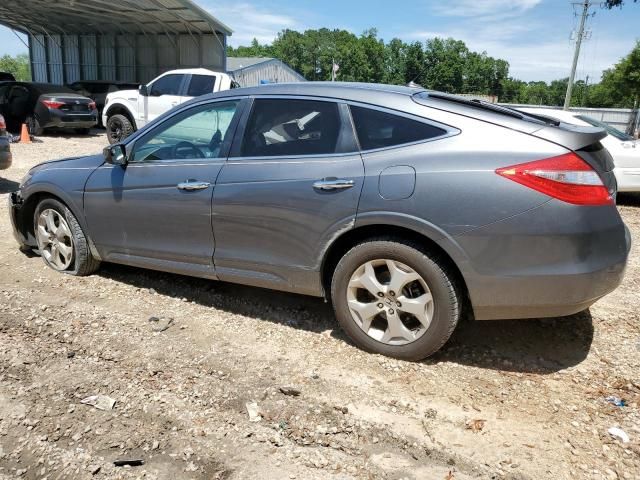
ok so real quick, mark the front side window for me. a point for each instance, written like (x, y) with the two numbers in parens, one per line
(167, 85)
(378, 129)
(201, 85)
(201, 132)
(279, 127)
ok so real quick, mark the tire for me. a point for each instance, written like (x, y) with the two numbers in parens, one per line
(118, 128)
(34, 126)
(81, 262)
(441, 315)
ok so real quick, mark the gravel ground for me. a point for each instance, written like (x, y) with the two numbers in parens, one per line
(507, 399)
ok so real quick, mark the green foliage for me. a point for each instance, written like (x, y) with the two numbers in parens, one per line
(615, 3)
(19, 66)
(443, 64)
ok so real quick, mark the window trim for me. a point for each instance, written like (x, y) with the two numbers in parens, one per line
(240, 110)
(346, 128)
(449, 130)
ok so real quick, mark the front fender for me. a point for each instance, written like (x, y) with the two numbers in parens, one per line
(119, 104)
(60, 183)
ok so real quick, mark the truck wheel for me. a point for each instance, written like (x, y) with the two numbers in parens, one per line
(119, 127)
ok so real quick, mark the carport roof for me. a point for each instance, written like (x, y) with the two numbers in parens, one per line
(109, 17)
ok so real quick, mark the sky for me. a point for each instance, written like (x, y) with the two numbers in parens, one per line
(534, 36)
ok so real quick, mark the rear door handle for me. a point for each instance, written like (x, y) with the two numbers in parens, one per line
(192, 186)
(328, 184)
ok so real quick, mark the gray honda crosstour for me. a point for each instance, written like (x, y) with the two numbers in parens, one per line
(407, 208)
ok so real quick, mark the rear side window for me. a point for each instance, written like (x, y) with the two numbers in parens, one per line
(378, 129)
(280, 127)
(167, 85)
(201, 85)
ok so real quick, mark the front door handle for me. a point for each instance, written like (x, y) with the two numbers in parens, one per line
(192, 186)
(329, 184)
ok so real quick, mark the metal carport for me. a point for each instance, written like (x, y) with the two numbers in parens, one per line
(120, 40)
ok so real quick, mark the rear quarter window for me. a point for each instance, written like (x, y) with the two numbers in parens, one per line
(201, 85)
(377, 129)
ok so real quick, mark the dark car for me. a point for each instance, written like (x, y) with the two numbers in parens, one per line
(5, 150)
(403, 206)
(43, 106)
(97, 90)
(7, 77)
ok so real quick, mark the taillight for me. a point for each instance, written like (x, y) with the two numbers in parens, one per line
(566, 177)
(3, 125)
(52, 103)
(92, 105)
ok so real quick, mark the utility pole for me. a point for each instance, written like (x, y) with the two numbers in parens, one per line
(586, 5)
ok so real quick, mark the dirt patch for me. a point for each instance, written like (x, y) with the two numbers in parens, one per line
(507, 399)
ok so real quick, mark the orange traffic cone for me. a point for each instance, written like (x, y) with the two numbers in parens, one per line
(24, 135)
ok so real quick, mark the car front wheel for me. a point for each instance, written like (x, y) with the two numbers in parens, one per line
(394, 299)
(61, 241)
(118, 127)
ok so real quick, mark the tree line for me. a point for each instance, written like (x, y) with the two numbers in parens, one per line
(440, 64)
(443, 64)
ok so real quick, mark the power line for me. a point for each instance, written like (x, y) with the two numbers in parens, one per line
(586, 5)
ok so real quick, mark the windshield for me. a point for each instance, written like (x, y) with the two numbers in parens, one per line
(610, 130)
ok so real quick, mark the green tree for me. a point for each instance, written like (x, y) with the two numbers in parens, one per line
(19, 66)
(513, 91)
(615, 3)
(395, 62)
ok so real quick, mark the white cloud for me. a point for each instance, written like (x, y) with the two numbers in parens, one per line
(248, 22)
(475, 8)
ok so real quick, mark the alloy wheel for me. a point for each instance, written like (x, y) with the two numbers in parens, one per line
(390, 301)
(55, 240)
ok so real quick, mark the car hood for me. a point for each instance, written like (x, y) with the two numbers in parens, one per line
(88, 162)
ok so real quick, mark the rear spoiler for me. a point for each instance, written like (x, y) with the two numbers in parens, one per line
(573, 137)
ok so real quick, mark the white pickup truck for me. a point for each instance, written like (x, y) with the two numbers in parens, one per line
(126, 111)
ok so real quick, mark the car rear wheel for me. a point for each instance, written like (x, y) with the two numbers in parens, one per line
(61, 241)
(34, 126)
(394, 299)
(119, 127)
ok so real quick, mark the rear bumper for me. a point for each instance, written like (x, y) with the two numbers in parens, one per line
(555, 260)
(61, 119)
(628, 179)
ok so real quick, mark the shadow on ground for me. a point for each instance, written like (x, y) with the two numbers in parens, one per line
(7, 186)
(531, 346)
(628, 199)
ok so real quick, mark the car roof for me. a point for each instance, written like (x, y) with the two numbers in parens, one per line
(192, 71)
(103, 82)
(340, 90)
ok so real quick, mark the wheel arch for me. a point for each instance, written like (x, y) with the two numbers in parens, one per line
(121, 109)
(428, 245)
(28, 210)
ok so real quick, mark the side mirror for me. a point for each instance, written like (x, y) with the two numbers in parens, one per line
(116, 155)
(144, 90)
